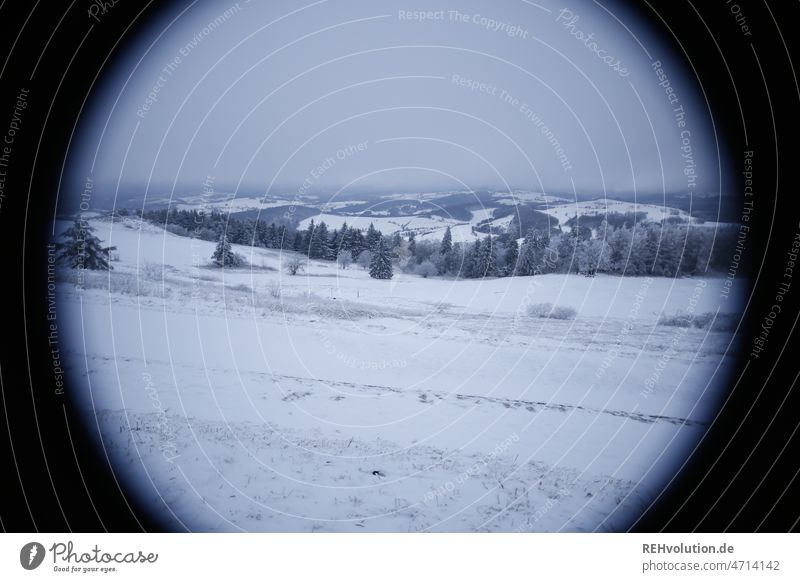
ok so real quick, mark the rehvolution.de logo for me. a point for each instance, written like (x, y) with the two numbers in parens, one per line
(31, 555)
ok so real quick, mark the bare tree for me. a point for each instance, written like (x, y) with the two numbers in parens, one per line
(344, 258)
(294, 266)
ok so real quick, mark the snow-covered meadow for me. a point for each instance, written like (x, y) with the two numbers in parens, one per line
(248, 399)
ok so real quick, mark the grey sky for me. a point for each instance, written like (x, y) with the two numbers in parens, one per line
(272, 94)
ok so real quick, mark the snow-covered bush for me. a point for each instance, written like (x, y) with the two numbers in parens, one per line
(151, 271)
(123, 283)
(549, 311)
(274, 291)
(563, 312)
(294, 265)
(426, 269)
(364, 259)
(679, 319)
(723, 321)
(703, 320)
(344, 259)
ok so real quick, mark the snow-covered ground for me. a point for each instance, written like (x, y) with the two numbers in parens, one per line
(425, 227)
(654, 213)
(252, 400)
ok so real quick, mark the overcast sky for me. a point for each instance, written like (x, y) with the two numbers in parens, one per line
(280, 94)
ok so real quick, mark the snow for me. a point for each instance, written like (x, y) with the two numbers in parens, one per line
(654, 213)
(329, 401)
(425, 227)
(523, 196)
(387, 225)
(235, 205)
(230, 202)
(481, 214)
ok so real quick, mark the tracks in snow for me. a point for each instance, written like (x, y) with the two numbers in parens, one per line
(297, 388)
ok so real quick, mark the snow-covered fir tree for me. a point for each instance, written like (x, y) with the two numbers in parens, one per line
(487, 263)
(344, 237)
(372, 238)
(327, 251)
(471, 266)
(527, 263)
(308, 236)
(447, 243)
(567, 245)
(319, 245)
(357, 242)
(511, 258)
(81, 249)
(592, 256)
(380, 266)
(223, 255)
(273, 238)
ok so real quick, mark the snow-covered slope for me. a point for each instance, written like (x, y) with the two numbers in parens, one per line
(329, 401)
(653, 213)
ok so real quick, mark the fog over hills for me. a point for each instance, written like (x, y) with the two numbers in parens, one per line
(340, 100)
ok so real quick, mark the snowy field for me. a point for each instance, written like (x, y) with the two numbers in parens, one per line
(428, 227)
(425, 227)
(252, 400)
(653, 213)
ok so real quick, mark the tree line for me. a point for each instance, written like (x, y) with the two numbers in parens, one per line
(613, 246)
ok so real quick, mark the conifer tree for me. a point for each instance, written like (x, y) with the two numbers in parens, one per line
(471, 266)
(527, 255)
(272, 236)
(487, 263)
(447, 243)
(223, 255)
(511, 258)
(373, 236)
(318, 247)
(566, 251)
(357, 242)
(297, 244)
(412, 244)
(308, 236)
(81, 249)
(344, 240)
(260, 234)
(380, 266)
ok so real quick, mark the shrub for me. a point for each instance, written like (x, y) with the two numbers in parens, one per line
(151, 271)
(723, 321)
(563, 312)
(364, 259)
(426, 269)
(679, 319)
(549, 311)
(344, 259)
(294, 265)
(274, 291)
(702, 320)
